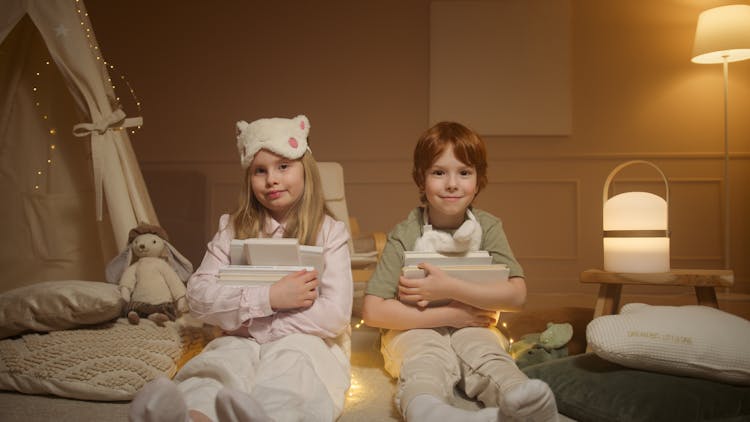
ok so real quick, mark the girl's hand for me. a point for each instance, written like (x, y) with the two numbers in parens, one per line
(463, 315)
(436, 285)
(296, 290)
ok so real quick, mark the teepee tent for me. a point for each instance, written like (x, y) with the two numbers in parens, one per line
(69, 180)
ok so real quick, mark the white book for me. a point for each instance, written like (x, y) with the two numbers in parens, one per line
(249, 275)
(237, 252)
(275, 252)
(438, 258)
(272, 251)
(491, 273)
(312, 256)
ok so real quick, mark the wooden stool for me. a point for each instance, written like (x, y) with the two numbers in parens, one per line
(704, 282)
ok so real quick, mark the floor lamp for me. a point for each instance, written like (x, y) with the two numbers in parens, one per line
(723, 36)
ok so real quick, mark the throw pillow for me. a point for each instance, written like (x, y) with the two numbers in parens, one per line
(58, 305)
(696, 341)
(588, 388)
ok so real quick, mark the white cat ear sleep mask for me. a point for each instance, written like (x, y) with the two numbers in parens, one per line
(286, 137)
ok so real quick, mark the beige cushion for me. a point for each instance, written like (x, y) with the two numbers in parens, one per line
(696, 341)
(58, 305)
(110, 361)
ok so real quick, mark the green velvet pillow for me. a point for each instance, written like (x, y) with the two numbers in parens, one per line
(589, 388)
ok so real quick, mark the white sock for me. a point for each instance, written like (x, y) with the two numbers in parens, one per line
(158, 401)
(531, 401)
(425, 407)
(235, 406)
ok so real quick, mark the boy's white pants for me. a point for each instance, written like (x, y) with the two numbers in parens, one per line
(299, 377)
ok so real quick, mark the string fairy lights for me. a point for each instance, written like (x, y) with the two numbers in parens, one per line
(107, 68)
(42, 171)
(43, 108)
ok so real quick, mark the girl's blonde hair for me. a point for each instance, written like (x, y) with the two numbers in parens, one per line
(467, 145)
(304, 218)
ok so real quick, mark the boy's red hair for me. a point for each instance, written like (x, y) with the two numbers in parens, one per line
(467, 145)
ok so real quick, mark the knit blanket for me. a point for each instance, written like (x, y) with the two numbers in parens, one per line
(108, 362)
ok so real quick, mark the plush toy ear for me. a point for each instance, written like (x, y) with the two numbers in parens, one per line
(181, 265)
(304, 124)
(118, 264)
(241, 126)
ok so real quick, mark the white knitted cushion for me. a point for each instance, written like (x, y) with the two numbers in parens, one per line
(103, 362)
(696, 341)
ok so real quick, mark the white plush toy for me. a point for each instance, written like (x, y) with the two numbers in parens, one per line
(151, 275)
(466, 238)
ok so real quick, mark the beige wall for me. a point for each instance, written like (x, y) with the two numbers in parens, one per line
(360, 71)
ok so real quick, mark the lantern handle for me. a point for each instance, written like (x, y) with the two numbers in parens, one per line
(612, 174)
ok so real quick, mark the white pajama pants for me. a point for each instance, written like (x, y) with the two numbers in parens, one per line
(299, 377)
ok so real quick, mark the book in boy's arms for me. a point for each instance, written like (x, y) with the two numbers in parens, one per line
(257, 275)
(490, 273)
(442, 258)
(275, 252)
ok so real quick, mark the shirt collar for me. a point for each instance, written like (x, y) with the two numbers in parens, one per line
(273, 228)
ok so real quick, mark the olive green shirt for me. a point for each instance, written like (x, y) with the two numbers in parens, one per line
(384, 281)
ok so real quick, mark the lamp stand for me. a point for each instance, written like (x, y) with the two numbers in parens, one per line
(727, 214)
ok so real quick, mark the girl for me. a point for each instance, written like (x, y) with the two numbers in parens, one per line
(283, 356)
(431, 349)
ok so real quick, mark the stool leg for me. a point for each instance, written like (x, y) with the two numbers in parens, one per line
(608, 300)
(706, 296)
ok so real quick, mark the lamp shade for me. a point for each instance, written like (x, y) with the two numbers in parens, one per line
(636, 229)
(722, 32)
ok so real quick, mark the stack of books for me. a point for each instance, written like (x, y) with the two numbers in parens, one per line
(261, 261)
(474, 266)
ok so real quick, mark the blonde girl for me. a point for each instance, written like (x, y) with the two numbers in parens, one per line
(282, 356)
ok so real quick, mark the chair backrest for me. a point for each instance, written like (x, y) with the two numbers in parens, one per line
(332, 177)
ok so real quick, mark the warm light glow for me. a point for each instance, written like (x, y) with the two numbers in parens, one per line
(635, 211)
(636, 229)
(636, 254)
(722, 33)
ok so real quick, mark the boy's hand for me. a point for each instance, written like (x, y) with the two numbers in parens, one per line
(435, 286)
(463, 315)
(296, 290)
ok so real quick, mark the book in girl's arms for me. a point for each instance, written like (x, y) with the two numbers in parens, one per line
(256, 275)
(275, 252)
(440, 258)
(491, 273)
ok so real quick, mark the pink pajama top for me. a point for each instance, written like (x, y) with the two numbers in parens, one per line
(246, 310)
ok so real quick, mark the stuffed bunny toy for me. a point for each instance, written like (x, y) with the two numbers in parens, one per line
(151, 275)
(466, 238)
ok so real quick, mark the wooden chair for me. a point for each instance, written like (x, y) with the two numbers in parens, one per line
(370, 246)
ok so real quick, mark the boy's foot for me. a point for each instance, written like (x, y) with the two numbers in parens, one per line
(425, 407)
(158, 401)
(531, 401)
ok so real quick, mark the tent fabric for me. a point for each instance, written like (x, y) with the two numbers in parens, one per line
(55, 185)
